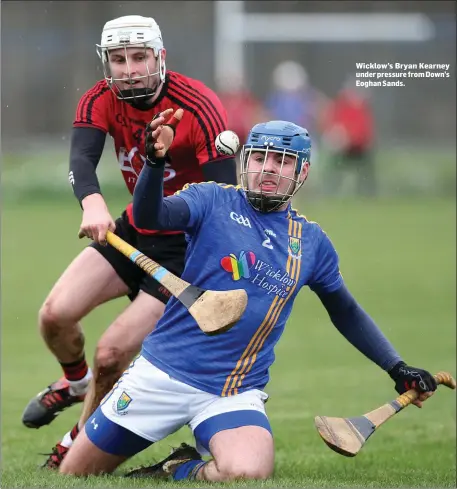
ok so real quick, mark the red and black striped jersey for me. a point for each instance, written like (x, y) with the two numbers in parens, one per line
(194, 144)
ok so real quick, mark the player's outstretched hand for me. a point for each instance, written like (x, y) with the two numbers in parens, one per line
(160, 134)
(96, 219)
(407, 378)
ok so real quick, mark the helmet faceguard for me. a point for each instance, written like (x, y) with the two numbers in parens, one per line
(133, 31)
(282, 138)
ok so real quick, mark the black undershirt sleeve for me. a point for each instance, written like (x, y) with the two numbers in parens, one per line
(153, 211)
(86, 149)
(359, 328)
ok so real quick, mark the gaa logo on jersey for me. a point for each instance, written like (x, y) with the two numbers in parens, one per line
(123, 403)
(239, 266)
(295, 247)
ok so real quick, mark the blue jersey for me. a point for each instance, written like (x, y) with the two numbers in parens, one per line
(231, 245)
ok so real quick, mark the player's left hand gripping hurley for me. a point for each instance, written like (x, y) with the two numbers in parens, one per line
(347, 436)
(406, 378)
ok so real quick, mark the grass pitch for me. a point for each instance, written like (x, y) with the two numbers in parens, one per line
(397, 257)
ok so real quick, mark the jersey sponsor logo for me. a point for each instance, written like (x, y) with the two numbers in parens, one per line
(294, 247)
(271, 279)
(244, 221)
(126, 161)
(239, 267)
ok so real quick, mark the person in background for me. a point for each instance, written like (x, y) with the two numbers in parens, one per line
(293, 98)
(348, 132)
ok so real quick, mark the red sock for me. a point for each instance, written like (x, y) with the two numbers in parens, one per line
(76, 370)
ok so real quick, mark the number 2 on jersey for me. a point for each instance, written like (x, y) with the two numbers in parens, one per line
(267, 243)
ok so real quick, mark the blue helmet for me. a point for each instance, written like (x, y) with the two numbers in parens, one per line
(285, 138)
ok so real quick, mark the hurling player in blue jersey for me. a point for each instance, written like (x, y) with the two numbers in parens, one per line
(249, 237)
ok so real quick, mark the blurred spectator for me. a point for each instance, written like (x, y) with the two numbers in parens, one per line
(348, 134)
(243, 109)
(293, 98)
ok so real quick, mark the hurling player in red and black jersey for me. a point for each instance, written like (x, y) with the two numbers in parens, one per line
(136, 88)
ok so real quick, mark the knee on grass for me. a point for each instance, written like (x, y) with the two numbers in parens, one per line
(243, 470)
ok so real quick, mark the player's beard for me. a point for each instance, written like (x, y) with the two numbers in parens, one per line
(262, 202)
(142, 96)
(269, 201)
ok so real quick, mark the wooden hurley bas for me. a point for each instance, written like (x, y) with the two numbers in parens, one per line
(214, 311)
(347, 436)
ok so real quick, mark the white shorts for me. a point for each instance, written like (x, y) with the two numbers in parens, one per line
(148, 405)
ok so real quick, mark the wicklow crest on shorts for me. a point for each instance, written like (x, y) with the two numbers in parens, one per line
(123, 402)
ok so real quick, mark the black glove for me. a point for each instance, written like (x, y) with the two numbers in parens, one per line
(151, 159)
(407, 378)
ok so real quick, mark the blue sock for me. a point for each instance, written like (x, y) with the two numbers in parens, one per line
(188, 470)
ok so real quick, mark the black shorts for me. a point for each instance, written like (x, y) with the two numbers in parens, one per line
(167, 250)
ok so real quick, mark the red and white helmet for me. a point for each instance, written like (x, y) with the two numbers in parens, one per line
(128, 32)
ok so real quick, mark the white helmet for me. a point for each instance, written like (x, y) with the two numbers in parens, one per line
(128, 32)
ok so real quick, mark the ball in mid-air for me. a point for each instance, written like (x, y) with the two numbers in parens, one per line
(227, 143)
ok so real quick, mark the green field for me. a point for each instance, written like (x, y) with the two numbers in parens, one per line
(398, 258)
